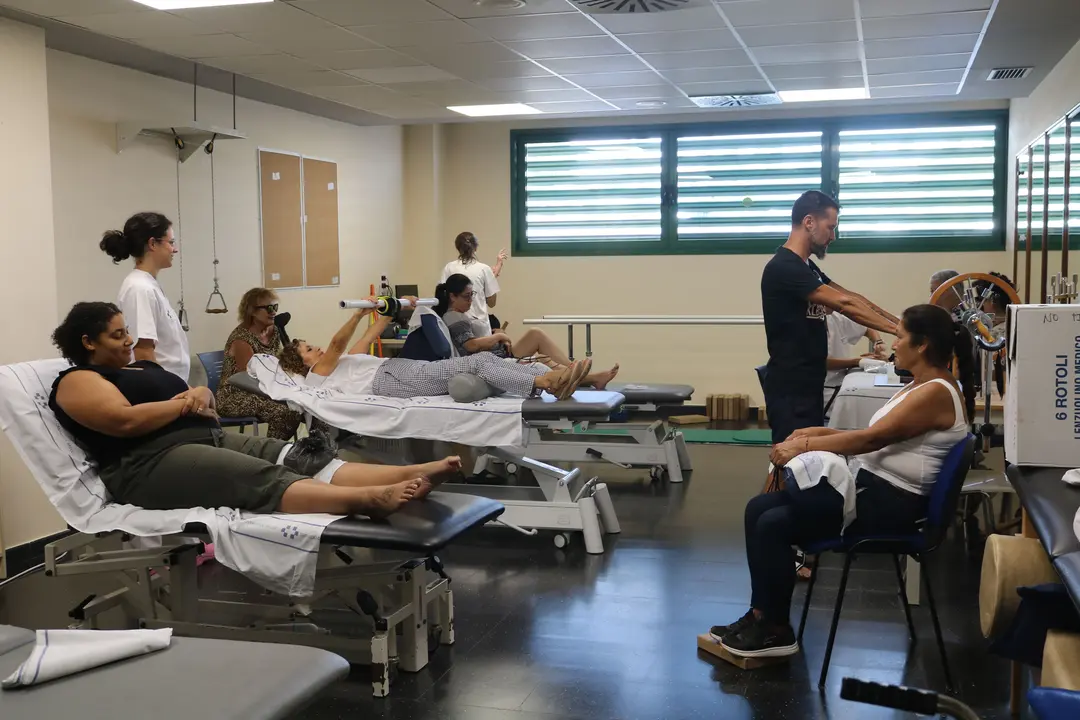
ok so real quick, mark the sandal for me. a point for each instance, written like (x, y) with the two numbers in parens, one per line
(560, 379)
(578, 371)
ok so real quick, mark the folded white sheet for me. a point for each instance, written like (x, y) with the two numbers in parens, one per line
(492, 422)
(1072, 477)
(811, 468)
(277, 551)
(58, 653)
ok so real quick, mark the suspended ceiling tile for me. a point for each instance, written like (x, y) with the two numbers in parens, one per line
(542, 96)
(449, 92)
(513, 69)
(275, 17)
(686, 40)
(675, 20)
(743, 87)
(512, 84)
(371, 12)
(894, 8)
(615, 79)
(594, 64)
(328, 40)
(805, 70)
(931, 45)
(150, 23)
(303, 80)
(442, 32)
(951, 61)
(821, 52)
(717, 74)
(800, 34)
(360, 59)
(914, 91)
(261, 64)
(927, 77)
(563, 108)
(61, 8)
(817, 83)
(747, 13)
(909, 26)
(483, 52)
(636, 92)
(697, 59)
(470, 9)
(668, 103)
(386, 76)
(566, 47)
(204, 46)
(537, 27)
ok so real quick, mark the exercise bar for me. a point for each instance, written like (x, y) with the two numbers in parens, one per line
(383, 303)
(589, 320)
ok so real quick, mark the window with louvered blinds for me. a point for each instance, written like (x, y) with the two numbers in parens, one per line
(918, 181)
(904, 183)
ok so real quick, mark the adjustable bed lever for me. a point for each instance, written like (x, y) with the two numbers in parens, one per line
(520, 529)
(597, 455)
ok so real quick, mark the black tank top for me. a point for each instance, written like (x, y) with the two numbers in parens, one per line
(141, 382)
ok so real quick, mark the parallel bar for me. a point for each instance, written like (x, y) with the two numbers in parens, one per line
(1016, 222)
(569, 340)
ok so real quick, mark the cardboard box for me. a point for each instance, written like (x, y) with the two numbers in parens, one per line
(1042, 395)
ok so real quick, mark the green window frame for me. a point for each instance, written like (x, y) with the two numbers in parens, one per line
(727, 188)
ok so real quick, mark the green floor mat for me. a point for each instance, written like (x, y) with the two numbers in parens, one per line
(708, 436)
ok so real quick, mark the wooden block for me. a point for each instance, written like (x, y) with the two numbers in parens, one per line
(705, 642)
(728, 414)
(687, 419)
(710, 406)
(716, 409)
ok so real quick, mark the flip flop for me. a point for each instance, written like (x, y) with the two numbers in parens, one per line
(561, 378)
(578, 371)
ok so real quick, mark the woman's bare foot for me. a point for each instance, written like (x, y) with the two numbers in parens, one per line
(390, 498)
(434, 470)
(554, 381)
(600, 380)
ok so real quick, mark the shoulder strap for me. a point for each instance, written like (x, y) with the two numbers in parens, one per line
(958, 404)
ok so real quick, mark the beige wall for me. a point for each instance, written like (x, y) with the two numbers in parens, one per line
(95, 189)
(61, 123)
(475, 184)
(27, 280)
(1029, 118)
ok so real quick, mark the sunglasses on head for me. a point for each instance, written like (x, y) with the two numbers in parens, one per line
(268, 308)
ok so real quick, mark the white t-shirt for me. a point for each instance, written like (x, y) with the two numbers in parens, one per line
(150, 316)
(843, 334)
(354, 374)
(484, 284)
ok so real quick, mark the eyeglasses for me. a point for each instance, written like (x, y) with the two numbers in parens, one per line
(268, 308)
(469, 295)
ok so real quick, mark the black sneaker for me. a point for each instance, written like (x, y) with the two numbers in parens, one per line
(761, 639)
(719, 632)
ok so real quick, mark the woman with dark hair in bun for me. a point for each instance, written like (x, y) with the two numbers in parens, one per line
(159, 336)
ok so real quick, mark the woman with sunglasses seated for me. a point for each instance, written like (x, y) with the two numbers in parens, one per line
(354, 372)
(470, 335)
(256, 334)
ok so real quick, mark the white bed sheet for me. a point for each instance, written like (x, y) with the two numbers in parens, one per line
(278, 551)
(492, 422)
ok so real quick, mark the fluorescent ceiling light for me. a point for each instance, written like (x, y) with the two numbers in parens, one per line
(494, 110)
(188, 4)
(823, 95)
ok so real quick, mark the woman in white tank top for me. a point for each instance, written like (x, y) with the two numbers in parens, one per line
(899, 455)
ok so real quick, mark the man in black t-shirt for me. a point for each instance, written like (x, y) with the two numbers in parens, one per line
(795, 297)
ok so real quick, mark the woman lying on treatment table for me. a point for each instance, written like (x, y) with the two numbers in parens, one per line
(158, 443)
(900, 455)
(470, 336)
(358, 373)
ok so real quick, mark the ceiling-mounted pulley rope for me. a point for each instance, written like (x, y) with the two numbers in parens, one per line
(210, 306)
(181, 311)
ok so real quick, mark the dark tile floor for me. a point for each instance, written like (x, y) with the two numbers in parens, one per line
(545, 633)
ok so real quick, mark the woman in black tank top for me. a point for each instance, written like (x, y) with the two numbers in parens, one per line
(158, 443)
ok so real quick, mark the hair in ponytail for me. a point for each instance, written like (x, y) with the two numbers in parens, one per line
(933, 326)
(454, 285)
(466, 244)
(134, 240)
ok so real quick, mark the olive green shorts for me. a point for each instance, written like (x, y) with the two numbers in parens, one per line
(191, 469)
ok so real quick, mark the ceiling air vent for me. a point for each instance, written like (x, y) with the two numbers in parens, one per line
(731, 101)
(1013, 73)
(634, 6)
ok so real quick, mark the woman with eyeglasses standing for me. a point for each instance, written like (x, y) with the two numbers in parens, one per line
(255, 334)
(153, 324)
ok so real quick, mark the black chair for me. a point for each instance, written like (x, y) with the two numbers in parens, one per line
(944, 497)
(212, 362)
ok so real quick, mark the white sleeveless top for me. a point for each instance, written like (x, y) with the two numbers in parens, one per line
(913, 464)
(354, 374)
